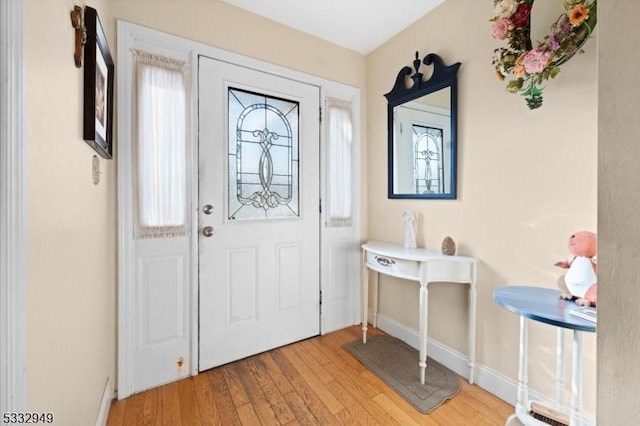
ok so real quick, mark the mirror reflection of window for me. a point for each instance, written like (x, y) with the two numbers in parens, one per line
(422, 154)
(428, 166)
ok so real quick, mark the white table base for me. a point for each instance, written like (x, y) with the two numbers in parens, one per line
(423, 266)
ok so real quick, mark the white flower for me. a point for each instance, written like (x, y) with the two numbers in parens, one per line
(505, 8)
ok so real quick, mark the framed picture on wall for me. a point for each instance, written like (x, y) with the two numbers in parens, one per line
(98, 87)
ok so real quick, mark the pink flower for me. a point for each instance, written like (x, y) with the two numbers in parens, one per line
(536, 60)
(554, 42)
(521, 17)
(500, 28)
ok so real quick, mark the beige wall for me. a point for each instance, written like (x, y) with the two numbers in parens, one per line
(71, 240)
(618, 207)
(526, 181)
(219, 24)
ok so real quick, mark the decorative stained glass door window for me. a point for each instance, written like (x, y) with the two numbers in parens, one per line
(263, 162)
(428, 166)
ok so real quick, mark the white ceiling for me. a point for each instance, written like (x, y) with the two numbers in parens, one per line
(360, 25)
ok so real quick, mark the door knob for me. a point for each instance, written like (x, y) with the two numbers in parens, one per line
(207, 231)
(207, 209)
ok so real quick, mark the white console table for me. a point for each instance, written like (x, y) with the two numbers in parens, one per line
(423, 266)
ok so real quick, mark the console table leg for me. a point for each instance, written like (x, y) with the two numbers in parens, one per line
(560, 367)
(523, 376)
(576, 380)
(472, 327)
(376, 286)
(424, 303)
(364, 289)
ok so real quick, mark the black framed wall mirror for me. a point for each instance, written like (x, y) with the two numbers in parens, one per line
(422, 120)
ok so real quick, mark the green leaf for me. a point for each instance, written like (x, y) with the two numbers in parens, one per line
(532, 90)
(515, 85)
(553, 71)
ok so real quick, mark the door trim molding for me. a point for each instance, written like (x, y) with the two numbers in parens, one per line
(130, 34)
(126, 261)
(12, 219)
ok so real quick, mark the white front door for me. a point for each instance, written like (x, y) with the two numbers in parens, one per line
(258, 211)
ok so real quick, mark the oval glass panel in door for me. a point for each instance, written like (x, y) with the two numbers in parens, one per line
(263, 158)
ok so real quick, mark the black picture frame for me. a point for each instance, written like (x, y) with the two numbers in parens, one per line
(98, 87)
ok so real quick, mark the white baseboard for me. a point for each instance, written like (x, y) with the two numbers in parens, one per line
(488, 379)
(108, 395)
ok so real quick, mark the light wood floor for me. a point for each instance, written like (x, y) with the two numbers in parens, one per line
(313, 382)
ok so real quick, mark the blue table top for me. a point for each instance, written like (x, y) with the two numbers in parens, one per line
(541, 304)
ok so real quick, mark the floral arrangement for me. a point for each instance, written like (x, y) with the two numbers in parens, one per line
(526, 66)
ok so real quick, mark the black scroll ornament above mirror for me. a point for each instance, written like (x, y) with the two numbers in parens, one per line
(441, 77)
(422, 117)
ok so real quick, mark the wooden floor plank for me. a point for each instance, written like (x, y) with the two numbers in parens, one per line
(470, 403)
(258, 401)
(205, 400)
(453, 415)
(313, 382)
(222, 396)
(327, 347)
(312, 363)
(283, 384)
(481, 420)
(300, 409)
(236, 390)
(315, 352)
(134, 408)
(116, 413)
(397, 400)
(151, 415)
(306, 392)
(344, 418)
(270, 391)
(399, 415)
(189, 411)
(356, 410)
(505, 409)
(248, 415)
(312, 379)
(362, 393)
(170, 405)
(342, 374)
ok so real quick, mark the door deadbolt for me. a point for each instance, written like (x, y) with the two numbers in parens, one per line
(207, 209)
(207, 231)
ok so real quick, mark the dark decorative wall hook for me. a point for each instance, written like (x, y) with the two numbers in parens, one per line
(77, 22)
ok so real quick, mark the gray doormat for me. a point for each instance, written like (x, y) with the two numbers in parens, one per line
(396, 363)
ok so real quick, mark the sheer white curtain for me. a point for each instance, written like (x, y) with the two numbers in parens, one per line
(339, 162)
(160, 146)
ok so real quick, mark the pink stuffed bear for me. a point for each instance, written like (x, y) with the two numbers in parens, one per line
(580, 278)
